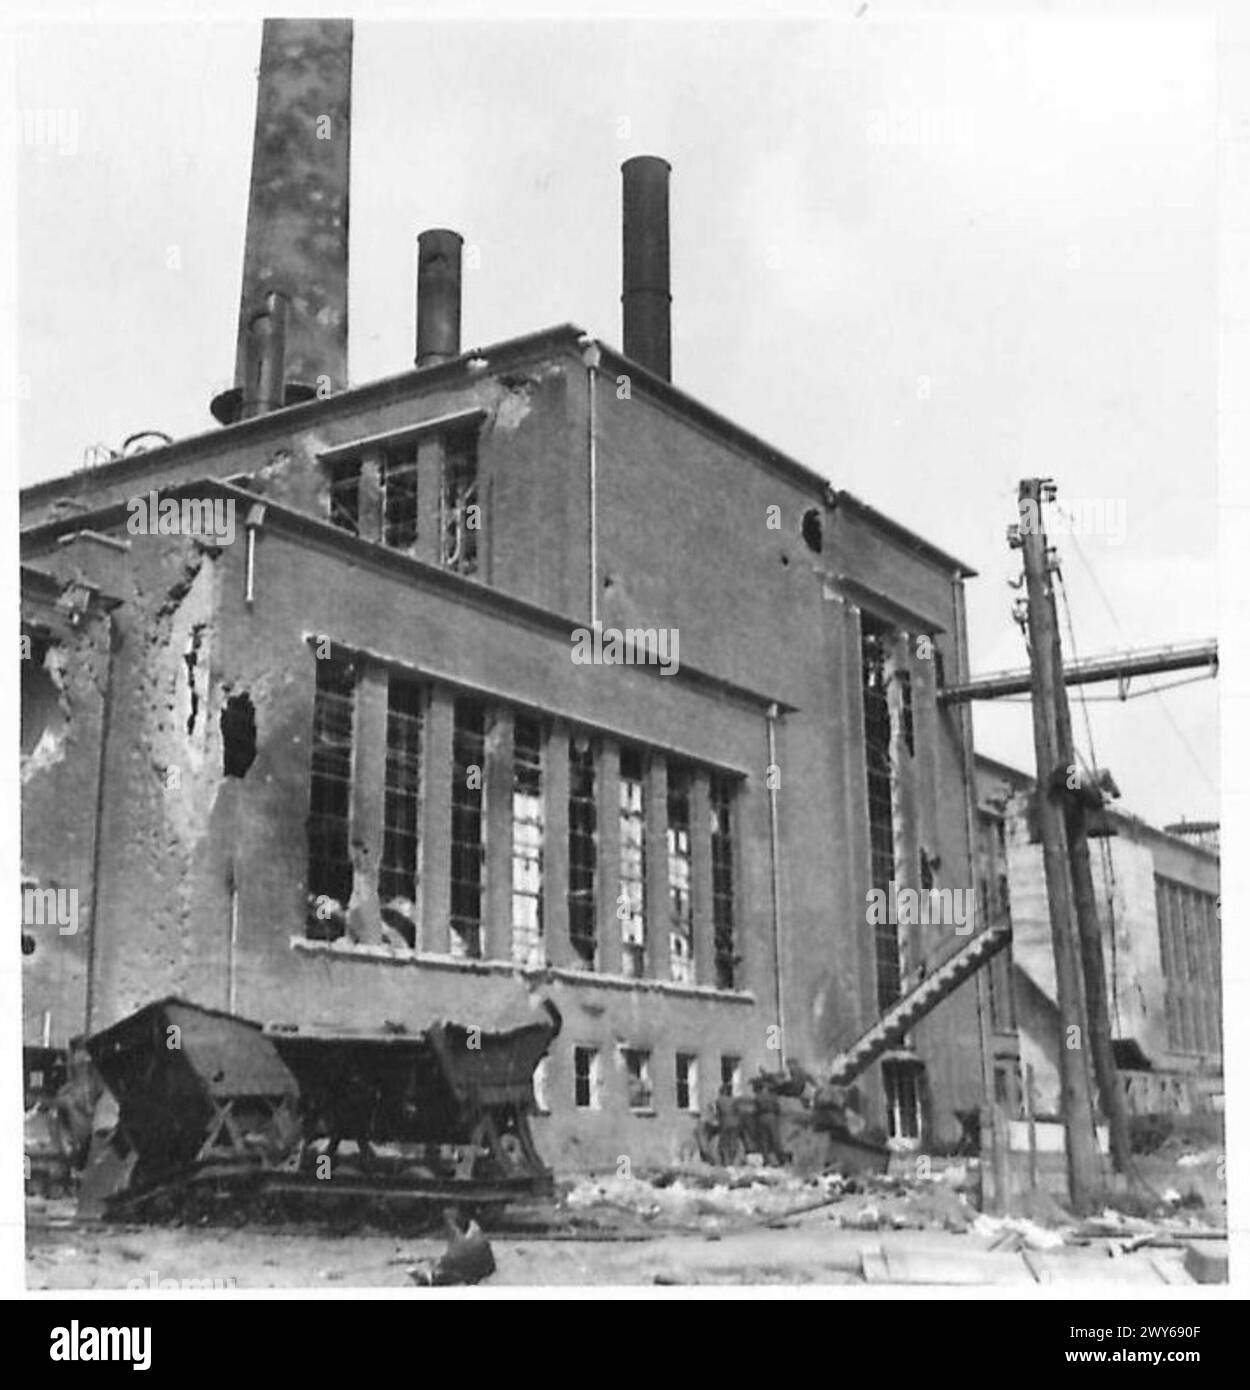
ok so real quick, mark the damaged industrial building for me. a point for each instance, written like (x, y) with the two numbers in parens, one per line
(335, 765)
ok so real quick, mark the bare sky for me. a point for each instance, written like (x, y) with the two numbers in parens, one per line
(924, 256)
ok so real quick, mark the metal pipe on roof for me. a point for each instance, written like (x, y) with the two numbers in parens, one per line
(438, 296)
(645, 298)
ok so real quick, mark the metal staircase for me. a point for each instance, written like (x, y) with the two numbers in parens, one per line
(903, 1015)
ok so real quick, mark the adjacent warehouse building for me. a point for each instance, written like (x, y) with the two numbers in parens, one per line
(1158, 898)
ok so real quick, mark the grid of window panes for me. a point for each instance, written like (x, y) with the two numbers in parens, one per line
(467, 827)
(583, 850)
(397, 875)
(631, 901)
(527, 841)
(680, 904)
(329, 855)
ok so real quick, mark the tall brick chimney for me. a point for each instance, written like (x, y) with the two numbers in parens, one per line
(645, 298)
(296, 241)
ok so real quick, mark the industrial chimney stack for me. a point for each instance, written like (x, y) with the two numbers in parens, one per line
(296, 240)
(438, 296)
(645, 298)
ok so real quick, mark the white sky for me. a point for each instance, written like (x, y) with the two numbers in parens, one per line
(1020, 279)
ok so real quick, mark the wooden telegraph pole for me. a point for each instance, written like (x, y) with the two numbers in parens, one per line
(1045, 662)
(1089, 929)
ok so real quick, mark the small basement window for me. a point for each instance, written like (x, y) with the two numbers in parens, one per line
(687, 1081)
(638, 1078)
(731, 1074)
(587, 1078)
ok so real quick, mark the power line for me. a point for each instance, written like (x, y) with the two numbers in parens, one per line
(1105, 856)
(1152, 687)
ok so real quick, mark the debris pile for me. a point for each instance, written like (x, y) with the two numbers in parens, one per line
(711, 1198)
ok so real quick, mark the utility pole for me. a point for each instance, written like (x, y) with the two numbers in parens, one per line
(1084, 1169)
(1089, 929)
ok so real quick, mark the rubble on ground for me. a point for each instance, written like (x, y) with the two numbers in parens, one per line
(705, 1196)
(944, 1196)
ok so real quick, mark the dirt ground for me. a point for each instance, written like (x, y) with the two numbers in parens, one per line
(693, 1227)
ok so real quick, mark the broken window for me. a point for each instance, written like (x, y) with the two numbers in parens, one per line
(681, 910)
(587, 1078)
(687, 1081)
(399, 497)
(723, 940)
(638, 1078)
(345, 495)
(583, 849)
(527, 842)
(238, 735)
(876, 644)
(397, 873)
(631, 901)
(467, 822)
(461, 510)
(330, 795)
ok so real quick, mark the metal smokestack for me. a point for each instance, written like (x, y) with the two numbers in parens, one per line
(645, 297)
(438, 296)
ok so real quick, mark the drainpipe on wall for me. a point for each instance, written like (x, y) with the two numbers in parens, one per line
(106, 720)
(255, 520)
(998, 1155)
(231, 973)
(772, 715)
(591, 356)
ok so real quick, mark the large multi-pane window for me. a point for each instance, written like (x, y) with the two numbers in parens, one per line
(397, 873)
(520, 855)
(723, 938)
(1189, 946)
(527, 842)
(461, 511)
(583, 850)
(468, 859)
(631, 901)
(877, 641)
(680, 901)
(452, 522)
(330, 796)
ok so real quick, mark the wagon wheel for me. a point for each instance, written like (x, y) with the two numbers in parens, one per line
(483, 1147)
(529, 1161)
(511, 1148)
(511, 1153)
